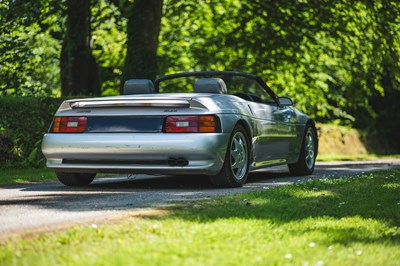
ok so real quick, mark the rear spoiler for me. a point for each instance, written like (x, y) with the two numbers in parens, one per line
(178, 103)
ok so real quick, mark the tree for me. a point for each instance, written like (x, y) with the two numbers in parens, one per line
(79, 70)
(329, 56)
(144, 19)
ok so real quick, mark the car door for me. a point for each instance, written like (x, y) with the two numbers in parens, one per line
(274, 130)
(275, 133)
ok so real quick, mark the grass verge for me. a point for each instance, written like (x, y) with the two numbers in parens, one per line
(18, 176)
(343, 221)
(360, 157)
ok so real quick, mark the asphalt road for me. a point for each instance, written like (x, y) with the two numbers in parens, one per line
(48, 206)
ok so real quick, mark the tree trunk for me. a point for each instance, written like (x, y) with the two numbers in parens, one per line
(79, 70)
(144, 19)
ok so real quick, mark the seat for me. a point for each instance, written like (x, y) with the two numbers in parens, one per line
(138, 86)
(210, 85)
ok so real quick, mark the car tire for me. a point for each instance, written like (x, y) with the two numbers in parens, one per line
(235, 170)
(308, 153)
(75, 179)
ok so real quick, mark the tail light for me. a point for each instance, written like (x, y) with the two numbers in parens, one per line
(191, 124)
(69, 124)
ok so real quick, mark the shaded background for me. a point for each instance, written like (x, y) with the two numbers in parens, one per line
(338, 60)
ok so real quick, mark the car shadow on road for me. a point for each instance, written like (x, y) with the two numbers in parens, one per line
(123, 183)
(121, 193)
(200, 182)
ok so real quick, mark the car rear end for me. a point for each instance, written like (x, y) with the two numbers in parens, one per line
(136, 134)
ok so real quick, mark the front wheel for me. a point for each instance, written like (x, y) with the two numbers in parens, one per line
(236, 166)
(75, 179)
(308, 153)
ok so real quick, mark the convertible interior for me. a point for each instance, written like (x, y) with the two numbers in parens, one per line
(201, 85)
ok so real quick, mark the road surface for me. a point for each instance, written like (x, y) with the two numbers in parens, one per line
(47, 206)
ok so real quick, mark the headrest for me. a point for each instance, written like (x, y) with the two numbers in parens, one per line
(210, 85)
(138, 86)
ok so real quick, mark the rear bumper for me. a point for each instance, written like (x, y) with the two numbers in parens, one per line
(147, 153)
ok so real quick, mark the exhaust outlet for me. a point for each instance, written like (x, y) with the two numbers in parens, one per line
(179, 161)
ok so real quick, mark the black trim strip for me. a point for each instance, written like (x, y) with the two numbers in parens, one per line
(115, 162)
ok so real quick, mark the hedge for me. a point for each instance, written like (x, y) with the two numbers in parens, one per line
(23, 121)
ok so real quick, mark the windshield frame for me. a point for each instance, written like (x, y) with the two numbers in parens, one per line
(216, 74)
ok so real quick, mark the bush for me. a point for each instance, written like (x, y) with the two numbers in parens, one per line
(23, 121)
(6, 147)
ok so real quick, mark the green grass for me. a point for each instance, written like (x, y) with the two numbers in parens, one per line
(361, 157)
(30, 175)
(18, 176)
(343, 221)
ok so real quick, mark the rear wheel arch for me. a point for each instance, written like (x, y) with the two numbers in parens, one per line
(237, 160)
(249, 133)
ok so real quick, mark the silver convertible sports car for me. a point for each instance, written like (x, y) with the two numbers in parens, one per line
(217, 123)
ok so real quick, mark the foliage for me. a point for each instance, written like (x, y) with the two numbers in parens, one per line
(329, 56)
(344, 221)
(338, 60)
(21, 133)
(28, 54)
(109, 44)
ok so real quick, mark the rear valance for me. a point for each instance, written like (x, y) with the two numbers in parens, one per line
(131, 103)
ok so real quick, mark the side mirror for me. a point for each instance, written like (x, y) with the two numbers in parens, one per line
(285, 101)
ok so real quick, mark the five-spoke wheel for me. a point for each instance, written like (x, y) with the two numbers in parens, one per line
(305, 164)
(236, 166)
